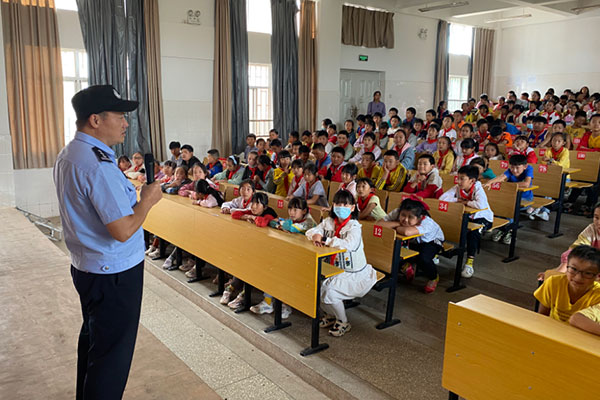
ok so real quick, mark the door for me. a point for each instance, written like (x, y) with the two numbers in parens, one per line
(356, 91)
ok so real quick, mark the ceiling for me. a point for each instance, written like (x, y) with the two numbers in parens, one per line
(479, 12)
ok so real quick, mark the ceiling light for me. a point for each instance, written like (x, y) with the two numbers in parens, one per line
(444, 6)
(521, 16)
(577, 10)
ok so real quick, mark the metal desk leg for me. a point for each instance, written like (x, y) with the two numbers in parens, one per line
(200, 263)
(452, 396)
(559, 210)
(457, 285)
(220, 285)
(515, 227)
(392, 285)
(278, 324)
(247, 299)
(162, 245)
(315, 346)
(178, 260)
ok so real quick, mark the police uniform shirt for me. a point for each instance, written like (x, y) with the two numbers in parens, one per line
(92, 193)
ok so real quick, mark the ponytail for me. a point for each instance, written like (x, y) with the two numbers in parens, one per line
(203, 187)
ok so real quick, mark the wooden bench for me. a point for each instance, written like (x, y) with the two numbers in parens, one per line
(494, 350)
(588, 176)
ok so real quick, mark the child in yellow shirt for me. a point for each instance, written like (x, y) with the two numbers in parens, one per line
(283, 176)
(557, 154)
(392, 175)
(368, 167)
(587, 320)
(561, 296)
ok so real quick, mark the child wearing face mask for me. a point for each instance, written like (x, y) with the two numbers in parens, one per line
(342, 230)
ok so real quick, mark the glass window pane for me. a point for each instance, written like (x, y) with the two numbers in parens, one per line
(68, 63)
(70, 5)
(69, 123)
(83, 64)
(460, 39)
(258, 16)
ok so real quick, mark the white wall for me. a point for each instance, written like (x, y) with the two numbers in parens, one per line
(559, 54)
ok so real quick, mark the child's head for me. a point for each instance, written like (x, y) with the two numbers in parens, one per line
(418, 124)
(433, 131)
(318, 150)
(156, 167)
(294, 137)
(348, 125)
(425, 164)
(285, 158)
(377, 118)
(549, 106)
(580, 118)
(187, 152)
(583, 268)
(410, 113)
(138, 158)
(496, 132)
(252, 158)
(392, 111)
(181, 172)
(342, 138)
(251, 139)
(539, 123)
(175, 148)
(261, 145)
(233, 163)
(310, 172)
(391, 159)
(124, 163)
(458, 116)
(297, 209)
(273, 134)
(412, 212)
(276, 146)
(518, 164)
(337, 156)
(558, 141)
(260, 202)
(369, 139)
(322, 138)
(364, 186)
(296, 148)
(361, 120)
(344, 205)
(400, 138)
(169, 167)
(430, 115)
(203, 188)
(199, 171)
(395, 121)
(482, 125)
(212, 156)
(331, 129)
(520, 143)
(247, 189)
(468, 146)
(481, 164)
(466, 131)
(369, 126)
(447, 121)
(325, 123)
(444, 143)
(367, 160)
(595, 123)
(383, 128)
(467, 176)
(297, 167)
(349, 173)
(264, 162)
(491, 150)
(304, 153)
(306, 137)
(484, 109)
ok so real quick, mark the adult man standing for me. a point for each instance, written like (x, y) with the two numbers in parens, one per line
(102, 221)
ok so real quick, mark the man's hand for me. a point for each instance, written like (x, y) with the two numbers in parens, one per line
(151, 193)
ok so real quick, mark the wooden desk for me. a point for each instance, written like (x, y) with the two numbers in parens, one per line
(261, 257)
(495, 350)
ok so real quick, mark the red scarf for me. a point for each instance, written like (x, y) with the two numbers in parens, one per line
(369, 172)
(210, 166)
(430, 141)
(344, 146)
(537, 135)
(296, 183)
(338, 228)
(252, 170)
(363, 203)
(137, 167)
(334, 170)
(556, 153)
(321, 161)
(467, 158)
(230, 174)
(467, 196)
(264, 174)
(308, 186)
(442, 155)
(371, 149)
(245, 203)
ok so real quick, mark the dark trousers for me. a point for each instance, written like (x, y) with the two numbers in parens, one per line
(474, 237)
(576, 192)
(424, 260)
(110, 305)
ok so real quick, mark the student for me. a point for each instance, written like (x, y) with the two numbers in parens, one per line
(458, 120)
(369, 145)
(382, 136)
(206, 195)
(498, 136)
(175, 148)
(482, 131)
(412, 218)
(576, 131)
(533, 110)
(426, 183)
(404, 149)
(274, 148)
(549, 112)
(360, 130)
(307, 139)
(444, 155)
(410, 116)
(199, 172)
(395, 122)
(263, 180)
(294, 137)
(467, 147)
(342, 230)
(242, 202)
(392, 174)
(348, 176)
(124, 163)
(259, 214)
(188, 158)
(484, 111)
(181, 179)
(332, 133)
(485, 172)
(368, 203)
(429, 145)
(368, 166)
(323, 139)
(429, 117)
(333, 173)
(518, 172)
(137, 169)
(234, 172)
(261, 146)
(311, 189)
(521, 146)
(417, 132)
(561, 296)
(447, 130)
(558, 153)
(304, 154)
(539, 131)
(297, 174)
(252, 168)
(295, 150)
(322, 159)
(469, 192)
(250, 145)
(591, 140)
(492, 152)
(344, 143)
(282, 175)
(349, 128)
(169, 171)
(213, 164)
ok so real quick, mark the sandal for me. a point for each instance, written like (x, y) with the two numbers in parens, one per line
(326, 321)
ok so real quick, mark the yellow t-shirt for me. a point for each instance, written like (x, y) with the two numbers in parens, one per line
(279, 180)
(374, 173)
(592, 313)
(575, 132)
(554, 294)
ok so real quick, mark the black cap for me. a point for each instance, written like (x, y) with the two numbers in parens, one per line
(99, 98)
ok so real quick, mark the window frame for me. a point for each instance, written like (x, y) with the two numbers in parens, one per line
(78, 80)
(260, 127)
(464, 81)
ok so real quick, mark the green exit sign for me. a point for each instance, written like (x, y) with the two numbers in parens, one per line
(363, 58)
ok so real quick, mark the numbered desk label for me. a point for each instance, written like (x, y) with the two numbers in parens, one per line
(581, 155)
(496, 186)
(280, 203)
(443, 206)
(543, 169)
(377, 231)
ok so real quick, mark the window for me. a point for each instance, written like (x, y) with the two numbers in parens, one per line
(460, 39)
(259, 99)
(70, 5)
(458, 91)
(75, 78)
(258, 16)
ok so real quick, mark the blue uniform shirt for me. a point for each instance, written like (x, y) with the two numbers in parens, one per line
(527, 173)
(92, 192)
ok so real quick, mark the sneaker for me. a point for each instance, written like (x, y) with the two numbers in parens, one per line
(497, 235)
(168, 263)
(327, 321)
(225, 298)
(262, 308)
(534, 213)
(436, 260)
(507, 238)
(237, 302)
(544, 216)
(530, 210)
(192, 273)
(187, 265)
(409, 272)
(286, 311)
(340, 328)
(468, 270)
(431, 285)
(155, 255)
(151, 249)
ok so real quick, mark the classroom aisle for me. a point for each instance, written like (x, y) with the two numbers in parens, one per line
(181, 352)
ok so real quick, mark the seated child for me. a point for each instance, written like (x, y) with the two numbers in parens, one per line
(261, 146)
(444, 155)
(274, 148)
(485, 172)
(392, 174)
(282, 174)
(344, 143)
(297, 175)
(558, 154)
(406, 152)
(447, 130)
(169, 171)
(368, 203)
(368, 146)
(213, 164)
(323, 138)
(250, 145)
(412, 218)
(538, 134)
(259, 214)
(429, 145)
(234, 172)
(561, 296)
(469, 192)
(180, 180)
(521, 146)
(348, 176)
(199, 172)
(333, 173)
(491, 151)
(498, 136)
(426, 183)
(322, 159)
(124, 163)
(311, 189)
(368, 166)
(206, 195)
(382, 136)
(342, 230)
(591, 140)
(303, 154)
(252, 168)
(263, 180)
(137, 168)
(466, 132)
(242, 202)
(468, 153)
(587, 319)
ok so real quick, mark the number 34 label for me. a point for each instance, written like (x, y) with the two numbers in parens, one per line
(443, 206)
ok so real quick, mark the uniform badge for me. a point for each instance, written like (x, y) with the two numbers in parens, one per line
(102, 155)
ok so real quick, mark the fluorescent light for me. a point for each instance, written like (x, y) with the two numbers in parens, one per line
(490, 21)
(444, 6)
(577, 10)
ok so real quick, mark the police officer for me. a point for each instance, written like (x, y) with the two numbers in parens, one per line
(102, 220)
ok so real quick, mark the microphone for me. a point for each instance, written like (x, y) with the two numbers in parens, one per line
(149, 167)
